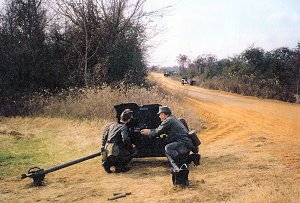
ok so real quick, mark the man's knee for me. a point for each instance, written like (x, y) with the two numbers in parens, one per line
(167, 150)
(167, 147)
(172, 153)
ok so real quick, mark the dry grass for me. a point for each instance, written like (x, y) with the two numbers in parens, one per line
(228, 172)
(249, 87)
(98, 103)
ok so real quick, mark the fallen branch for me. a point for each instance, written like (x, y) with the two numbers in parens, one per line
(117, 195)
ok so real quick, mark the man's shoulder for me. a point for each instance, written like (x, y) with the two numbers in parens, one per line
(114, 125)
(174, 120)
(120, 126)
(171, 118)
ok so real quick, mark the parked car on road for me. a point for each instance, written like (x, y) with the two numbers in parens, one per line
(188, 81)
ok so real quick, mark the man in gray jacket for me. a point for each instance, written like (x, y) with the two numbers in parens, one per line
(116, 146)
(178, 141)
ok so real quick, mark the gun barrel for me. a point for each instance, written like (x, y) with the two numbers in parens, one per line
(38, 174)
(55, 168)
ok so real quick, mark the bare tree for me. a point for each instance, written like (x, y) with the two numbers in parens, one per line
(182, 61)
(111, 37)
(84, 15)
(108, 29)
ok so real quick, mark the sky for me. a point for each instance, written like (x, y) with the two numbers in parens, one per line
(223, 28)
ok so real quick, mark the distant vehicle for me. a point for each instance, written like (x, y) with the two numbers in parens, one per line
(184, 81)
(167, 73)
(191, 82)
(188, 81)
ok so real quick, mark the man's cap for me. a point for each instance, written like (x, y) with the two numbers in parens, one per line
(126, 115)
(164, 109)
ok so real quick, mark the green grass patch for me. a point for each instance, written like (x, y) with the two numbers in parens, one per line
(17, 155)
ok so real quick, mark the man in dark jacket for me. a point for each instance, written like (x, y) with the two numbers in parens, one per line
(116, 146)
(178, 141)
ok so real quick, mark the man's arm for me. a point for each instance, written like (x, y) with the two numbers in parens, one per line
(125, 136)
(104, 137)
(158, 131)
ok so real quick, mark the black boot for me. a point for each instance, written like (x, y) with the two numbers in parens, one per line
(194, 158)
(121, 169)
(181, 177)
(106, 166)
(184, 173)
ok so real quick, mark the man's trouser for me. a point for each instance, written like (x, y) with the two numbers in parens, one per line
(119, 161)
(177, 154)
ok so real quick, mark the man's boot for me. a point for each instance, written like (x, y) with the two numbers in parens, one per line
(184, 175)
(194, 158)
(120, 168)
(181, 176)
(106, 166)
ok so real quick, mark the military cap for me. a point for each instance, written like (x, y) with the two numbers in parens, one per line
(126, 115)
(164, 109)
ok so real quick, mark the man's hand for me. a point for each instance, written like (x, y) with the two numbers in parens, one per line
(145, 131)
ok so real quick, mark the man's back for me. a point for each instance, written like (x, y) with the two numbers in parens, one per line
(176, 131)
(116, 133)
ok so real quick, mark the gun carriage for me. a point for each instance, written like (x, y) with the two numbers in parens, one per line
(144, 117)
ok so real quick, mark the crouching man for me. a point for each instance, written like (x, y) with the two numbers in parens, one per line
(116, 146)
(178, 144)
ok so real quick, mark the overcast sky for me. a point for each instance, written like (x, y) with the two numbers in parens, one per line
(223, 27)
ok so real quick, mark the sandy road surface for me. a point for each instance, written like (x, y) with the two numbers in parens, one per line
(250, 153)
(236, 117)
(260, 138)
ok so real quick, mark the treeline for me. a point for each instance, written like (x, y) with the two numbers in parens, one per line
(69, 43)
(256, 72)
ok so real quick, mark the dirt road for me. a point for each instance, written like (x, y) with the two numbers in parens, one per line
(231, 116)
(250, 153)
(258, 138)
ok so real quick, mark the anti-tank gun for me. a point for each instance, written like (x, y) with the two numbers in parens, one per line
(144, 117)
